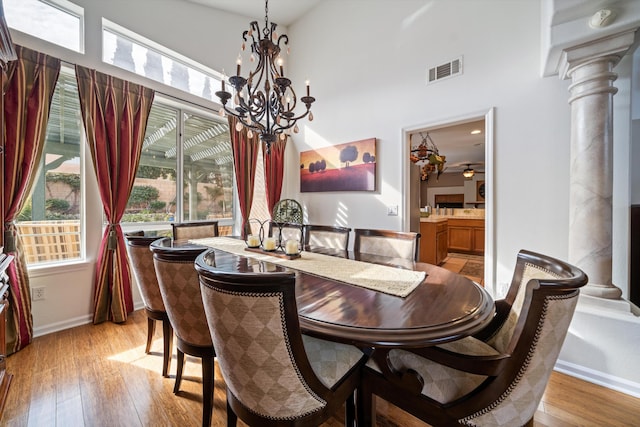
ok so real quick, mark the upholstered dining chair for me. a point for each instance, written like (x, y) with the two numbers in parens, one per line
(180, 291)
(194, 230)
(326, 237)
(144, 271)
(496, 378)
(275, 376)
(394, 244)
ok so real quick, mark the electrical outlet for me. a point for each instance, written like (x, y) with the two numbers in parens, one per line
(37, 293)
(392, 210)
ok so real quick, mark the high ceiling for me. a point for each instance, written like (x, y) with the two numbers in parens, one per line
(282, 12)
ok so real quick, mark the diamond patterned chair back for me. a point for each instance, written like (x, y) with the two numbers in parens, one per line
(495, 382)
(394, 244)
(144, 271)
(274, 374)
(180, 289)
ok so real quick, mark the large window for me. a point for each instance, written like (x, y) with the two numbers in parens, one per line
(187, 150)
(50, 221)
(57, 21)
(132, 52)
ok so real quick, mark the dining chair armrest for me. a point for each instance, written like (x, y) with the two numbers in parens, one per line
(479, 365)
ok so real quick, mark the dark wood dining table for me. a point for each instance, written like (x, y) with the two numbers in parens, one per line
(444, 307)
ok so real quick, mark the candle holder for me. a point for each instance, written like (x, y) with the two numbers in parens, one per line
(281, 239)
(254, 230)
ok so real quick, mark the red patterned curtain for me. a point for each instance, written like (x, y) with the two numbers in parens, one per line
(115, 114)
(273, 172)
(245, 156)
(27, 101)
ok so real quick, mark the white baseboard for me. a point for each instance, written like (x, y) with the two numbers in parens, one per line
(71, 323)
(615, 383)
(61, 326)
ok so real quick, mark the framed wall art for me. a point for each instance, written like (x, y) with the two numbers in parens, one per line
(343, 167)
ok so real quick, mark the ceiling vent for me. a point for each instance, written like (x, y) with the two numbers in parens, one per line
(444, 71)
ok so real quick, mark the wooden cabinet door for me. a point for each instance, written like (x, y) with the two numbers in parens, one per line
(442, 246)
(478, 240)
(460, 238)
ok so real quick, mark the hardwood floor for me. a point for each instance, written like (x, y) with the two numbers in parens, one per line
(100, 376)
(471, 266)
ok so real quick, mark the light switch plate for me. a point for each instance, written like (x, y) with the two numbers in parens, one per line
(392, 210)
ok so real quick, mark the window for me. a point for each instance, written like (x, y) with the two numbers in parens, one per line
(186, 149)
(50, 220)
(132, 52)
(57, 21)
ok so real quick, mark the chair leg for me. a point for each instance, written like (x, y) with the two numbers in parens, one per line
(151, 328)
(208, 373)
(350, 412)
(366, 406)
(232, 418)
(167, 333)
(176, 388)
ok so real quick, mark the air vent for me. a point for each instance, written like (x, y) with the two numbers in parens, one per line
(444, 71)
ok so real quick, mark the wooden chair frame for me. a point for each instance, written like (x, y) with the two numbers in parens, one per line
(175, 227)
(399, 235)
(403, 389)
(310, 228)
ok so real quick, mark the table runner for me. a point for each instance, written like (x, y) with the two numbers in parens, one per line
(382, 278)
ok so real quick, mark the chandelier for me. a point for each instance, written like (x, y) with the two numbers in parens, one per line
(427, 156)
(265, 101)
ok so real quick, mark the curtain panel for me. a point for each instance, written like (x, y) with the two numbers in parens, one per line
(273, 172)
(245, 156)
(31, 81)
(115, 114)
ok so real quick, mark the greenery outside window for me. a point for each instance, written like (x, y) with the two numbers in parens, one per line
(188, 150)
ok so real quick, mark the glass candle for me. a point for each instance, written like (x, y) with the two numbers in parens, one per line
(292, 247)
(269, 244)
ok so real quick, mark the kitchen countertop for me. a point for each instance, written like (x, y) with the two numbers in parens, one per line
(433, 219)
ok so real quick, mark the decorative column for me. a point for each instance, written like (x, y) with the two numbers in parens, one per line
(590, 68)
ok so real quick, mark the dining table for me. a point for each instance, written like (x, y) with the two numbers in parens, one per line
(441, 306)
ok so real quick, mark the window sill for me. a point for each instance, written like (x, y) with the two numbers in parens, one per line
(59, 268)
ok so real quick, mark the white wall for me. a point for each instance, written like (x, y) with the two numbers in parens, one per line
(368, 86)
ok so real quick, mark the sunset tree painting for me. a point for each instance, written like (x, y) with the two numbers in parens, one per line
(343, 167)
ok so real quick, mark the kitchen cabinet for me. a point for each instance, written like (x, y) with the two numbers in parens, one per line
(466, 235)
(433, 241)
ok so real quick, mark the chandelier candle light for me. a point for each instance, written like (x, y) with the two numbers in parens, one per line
(265, 101)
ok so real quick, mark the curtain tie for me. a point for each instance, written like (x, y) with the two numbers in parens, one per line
(9, 238)
(112, 240)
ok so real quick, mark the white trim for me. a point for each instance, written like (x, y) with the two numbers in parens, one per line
(488, 115)
(600, 378)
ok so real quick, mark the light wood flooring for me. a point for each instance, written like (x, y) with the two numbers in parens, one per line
(471, 266)
(100, 376)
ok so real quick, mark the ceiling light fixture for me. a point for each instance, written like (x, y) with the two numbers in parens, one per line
(264, 102)
(468, 172)
(476, 132)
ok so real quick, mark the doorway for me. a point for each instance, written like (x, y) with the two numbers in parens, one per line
(475, 187)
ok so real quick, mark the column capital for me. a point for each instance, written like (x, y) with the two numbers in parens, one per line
(612, 48)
